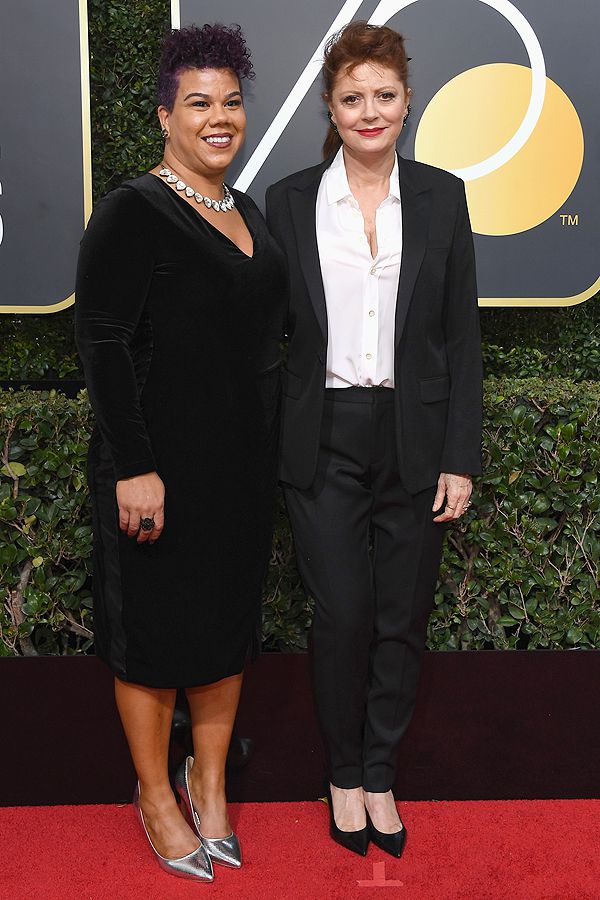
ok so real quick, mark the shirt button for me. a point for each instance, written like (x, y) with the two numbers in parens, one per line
(369, 356)
(371, 312)
(372, 270)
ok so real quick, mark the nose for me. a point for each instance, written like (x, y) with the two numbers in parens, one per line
(218, 115)
(369, 112)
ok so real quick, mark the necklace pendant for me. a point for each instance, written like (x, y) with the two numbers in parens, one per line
(164, 172)
(189, 192)
(207, 202)
(198, 198)
(172, 179)
(181, 185)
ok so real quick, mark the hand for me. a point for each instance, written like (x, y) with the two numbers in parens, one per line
(456, 489)
(138, 498)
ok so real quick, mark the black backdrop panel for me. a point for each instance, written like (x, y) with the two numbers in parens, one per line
(44, 151)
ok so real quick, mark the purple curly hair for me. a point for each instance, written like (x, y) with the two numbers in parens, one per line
(210, 47)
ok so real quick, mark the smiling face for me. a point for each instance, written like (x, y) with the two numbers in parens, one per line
(368, 105)
(207, 124)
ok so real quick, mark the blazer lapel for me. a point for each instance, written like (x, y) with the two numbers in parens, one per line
(416, 207)
(303, 201)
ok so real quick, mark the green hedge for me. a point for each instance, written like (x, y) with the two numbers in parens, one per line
(124, 45)
(521, 571)
(520, 343)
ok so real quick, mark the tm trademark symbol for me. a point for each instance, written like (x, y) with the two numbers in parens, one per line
(568, 219)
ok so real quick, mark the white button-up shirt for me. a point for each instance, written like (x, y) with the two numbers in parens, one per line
(360, 292)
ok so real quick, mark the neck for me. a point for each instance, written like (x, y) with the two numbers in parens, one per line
(208, 183)
(369, 170)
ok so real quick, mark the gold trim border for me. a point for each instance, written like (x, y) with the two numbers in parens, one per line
(86, 142)
(542, 301)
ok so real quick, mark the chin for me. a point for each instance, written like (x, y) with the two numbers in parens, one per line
(368, 147)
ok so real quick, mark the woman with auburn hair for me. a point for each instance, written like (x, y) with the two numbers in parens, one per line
(382, 413)
(178, 319)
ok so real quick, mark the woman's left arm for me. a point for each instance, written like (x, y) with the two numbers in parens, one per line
(461, 457)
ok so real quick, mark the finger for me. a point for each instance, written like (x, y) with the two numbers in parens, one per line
(143, 536)
(461, 507)
(134, 524)
(143, 533)
(454, 503)
(123, 519)
(439, 498)
(159, 524)
(154, 533)
(445, 516)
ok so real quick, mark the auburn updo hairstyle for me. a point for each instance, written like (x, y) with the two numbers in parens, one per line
(357, 43)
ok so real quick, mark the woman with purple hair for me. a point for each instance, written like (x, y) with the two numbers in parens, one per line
(180, 293)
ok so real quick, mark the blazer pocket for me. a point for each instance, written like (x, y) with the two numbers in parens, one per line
(293, 385)
(434, 389)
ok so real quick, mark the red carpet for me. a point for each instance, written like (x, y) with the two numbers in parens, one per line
(505, 850)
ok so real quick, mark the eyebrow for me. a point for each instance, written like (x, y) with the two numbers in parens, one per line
(207, 96)
(387, 87)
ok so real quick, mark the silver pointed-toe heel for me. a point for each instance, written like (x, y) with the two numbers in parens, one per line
(224, 851)
(196, 866)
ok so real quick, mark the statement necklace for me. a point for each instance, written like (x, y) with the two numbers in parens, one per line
(223, 205)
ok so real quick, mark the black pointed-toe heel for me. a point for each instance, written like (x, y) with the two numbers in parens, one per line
(357, 841)
(391, 843)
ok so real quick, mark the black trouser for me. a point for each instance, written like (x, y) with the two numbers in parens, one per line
(369, 554)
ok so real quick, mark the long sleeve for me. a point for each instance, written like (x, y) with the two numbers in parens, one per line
(113, 276)
(462, 449)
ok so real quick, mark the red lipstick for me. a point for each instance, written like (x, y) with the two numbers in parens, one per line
(370, 132)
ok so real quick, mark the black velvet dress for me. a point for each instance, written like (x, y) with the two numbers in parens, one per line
(179, 332)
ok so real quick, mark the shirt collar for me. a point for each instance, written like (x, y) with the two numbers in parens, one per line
(337, 180)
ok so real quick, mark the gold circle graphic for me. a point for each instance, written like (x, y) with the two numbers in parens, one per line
(474, 115)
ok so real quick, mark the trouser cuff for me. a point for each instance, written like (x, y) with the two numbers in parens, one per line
(378, 783)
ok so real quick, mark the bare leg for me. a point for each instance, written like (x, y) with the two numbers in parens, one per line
(146, 714)
(348, 808)
(383, 811)
(213, 708)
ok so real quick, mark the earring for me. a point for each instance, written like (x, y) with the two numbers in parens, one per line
(331, 122)
(407, 114)
(164, 134)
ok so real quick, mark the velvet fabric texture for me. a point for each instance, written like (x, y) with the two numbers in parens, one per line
(179, 332)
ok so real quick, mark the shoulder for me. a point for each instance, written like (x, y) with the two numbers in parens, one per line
(299, 179)
(430, 177)
(122, 214)
(128, 199)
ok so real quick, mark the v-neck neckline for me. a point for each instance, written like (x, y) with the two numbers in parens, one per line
(196, 212)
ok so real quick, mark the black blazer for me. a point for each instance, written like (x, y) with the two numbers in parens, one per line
(438, 369)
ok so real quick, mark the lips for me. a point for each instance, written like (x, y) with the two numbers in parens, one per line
(218, 140)
(371, 132)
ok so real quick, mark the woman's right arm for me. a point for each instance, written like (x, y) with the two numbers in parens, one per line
(113, 276)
